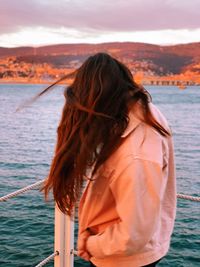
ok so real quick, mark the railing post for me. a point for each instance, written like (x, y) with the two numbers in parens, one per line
(64, 239)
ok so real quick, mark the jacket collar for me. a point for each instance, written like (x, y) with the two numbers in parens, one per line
(135, 118)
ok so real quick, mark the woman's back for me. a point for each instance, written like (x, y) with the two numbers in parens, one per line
(130, 205)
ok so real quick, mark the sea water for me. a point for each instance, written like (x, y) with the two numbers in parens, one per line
(27, 142)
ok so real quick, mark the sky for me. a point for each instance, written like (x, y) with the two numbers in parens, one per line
(45, 22)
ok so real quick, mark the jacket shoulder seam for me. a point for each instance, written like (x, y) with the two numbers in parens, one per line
(133, 158)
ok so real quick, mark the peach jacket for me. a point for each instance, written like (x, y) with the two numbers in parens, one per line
(130, 205)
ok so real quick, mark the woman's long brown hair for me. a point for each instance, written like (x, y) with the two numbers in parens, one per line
(95, 115)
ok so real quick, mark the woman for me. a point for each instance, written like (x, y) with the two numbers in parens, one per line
(113, 137)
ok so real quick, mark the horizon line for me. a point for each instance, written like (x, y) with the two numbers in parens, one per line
(97, 43)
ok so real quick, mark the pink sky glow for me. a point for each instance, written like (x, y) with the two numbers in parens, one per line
(42, 22)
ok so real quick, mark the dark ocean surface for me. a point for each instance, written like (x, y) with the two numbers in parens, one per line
(27, 140)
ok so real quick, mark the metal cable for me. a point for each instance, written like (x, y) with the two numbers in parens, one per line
(29, 187)
(188, 197)
(22, 190)
(49, 258)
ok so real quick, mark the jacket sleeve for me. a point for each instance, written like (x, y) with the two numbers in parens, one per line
(137, 193)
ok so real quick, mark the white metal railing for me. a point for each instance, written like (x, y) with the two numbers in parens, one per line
(64, 239)
(64, 231)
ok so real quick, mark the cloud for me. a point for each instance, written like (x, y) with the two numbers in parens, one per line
(101, 16)
(43, 36)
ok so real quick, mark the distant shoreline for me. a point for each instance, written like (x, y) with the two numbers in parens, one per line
(37, 82)
(29, 82)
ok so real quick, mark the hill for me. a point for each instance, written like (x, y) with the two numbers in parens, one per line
(151, 60)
